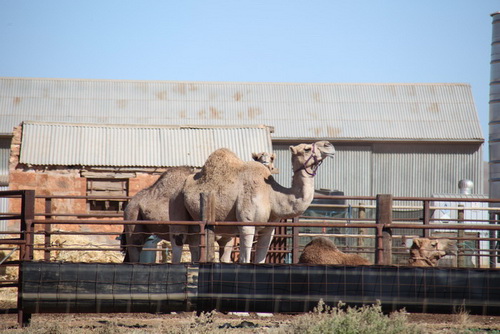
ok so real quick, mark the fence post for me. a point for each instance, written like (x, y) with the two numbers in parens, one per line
(48, 228)
(427, 217)
(461, 249)
(26, 253)
(207, 206)
(295, 241)
(362, 231)
(383, 254)
(27, 217)
(493, 235)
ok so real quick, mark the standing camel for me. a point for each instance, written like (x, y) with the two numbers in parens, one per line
(246, 192)
(163, 201)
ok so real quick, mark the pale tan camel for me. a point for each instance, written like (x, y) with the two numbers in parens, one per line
(246, 192)
(425, 252)
(267, 159)
(323, 251)
(163, 201)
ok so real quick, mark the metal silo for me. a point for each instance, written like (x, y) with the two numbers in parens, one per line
(494, 124)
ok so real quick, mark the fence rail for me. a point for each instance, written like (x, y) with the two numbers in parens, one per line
(41, 228)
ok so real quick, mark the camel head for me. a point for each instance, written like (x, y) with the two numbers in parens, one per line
(310, 156)
(427, 252)
(267, 159)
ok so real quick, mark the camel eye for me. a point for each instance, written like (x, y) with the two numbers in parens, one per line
(307, 149)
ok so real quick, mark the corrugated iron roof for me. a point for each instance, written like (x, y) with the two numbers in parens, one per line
(128, 145)
(306, 111)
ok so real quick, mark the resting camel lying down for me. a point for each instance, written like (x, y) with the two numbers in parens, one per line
(323, 251)
(426, 252)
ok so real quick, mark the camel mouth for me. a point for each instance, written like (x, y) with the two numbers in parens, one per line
(326, 148)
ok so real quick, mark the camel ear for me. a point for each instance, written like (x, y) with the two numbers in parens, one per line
(273, 156)
(293, 149)
(417, 242)
(255, 156)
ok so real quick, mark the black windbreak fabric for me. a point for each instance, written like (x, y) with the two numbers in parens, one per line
(109, 288)
(299, 288)
(103, 288)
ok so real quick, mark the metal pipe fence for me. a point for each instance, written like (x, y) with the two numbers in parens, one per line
(375, 227)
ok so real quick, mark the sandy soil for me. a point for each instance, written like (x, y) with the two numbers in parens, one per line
(252, 323)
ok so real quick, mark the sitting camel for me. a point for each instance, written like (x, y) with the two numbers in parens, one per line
(323, 251)
(246, 192)
(425, 252)
(163, 201)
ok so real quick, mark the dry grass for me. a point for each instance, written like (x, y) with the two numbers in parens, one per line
(354, 321)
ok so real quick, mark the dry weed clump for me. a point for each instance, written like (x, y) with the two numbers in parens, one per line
(363, 320)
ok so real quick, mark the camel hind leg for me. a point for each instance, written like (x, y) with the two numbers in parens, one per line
(133, 236)
(134, 239)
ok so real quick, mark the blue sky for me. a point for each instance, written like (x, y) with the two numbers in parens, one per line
(385, 41)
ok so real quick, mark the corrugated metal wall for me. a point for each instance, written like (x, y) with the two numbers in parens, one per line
(425, 169)
(398, 169)
(107, 145)
(296, 110)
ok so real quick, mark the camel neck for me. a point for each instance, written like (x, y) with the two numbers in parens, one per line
(292, 202)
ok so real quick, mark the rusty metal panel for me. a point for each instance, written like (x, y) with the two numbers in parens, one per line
(308, 111)
(146, 146)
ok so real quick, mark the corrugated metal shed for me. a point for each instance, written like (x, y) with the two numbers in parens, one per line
(127, 145)
(297, 111)
(411, 169)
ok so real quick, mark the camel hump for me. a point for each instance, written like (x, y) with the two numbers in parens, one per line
(322, 242)
(220, 161)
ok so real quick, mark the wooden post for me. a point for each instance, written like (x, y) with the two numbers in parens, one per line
(207, 201)
(383, 255)
(295, 241)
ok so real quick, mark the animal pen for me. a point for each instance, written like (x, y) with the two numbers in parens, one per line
(67, 262)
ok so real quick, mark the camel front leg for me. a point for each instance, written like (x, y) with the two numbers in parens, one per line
(264, 240)
(194, 243)
(226, 244)
(247, 234)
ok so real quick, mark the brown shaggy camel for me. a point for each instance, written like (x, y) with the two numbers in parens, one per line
(163, 201)
(246, 192)
(426, 252)
(323, 251)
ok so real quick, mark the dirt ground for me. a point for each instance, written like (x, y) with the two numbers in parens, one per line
(237, 323)
(249, 323)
